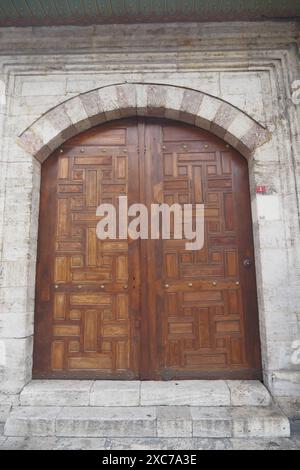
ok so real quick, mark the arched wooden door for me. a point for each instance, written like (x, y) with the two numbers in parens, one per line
(145, 309)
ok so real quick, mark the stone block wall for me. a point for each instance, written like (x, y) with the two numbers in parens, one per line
(249, 66)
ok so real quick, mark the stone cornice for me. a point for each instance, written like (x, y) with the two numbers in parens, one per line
(146, 37)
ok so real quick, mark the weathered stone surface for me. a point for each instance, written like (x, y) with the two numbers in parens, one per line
(127, 99)
(156, 100)
(290, 406)
(32, 421)
(18, 370)
(207, 112)
(252, 139)
(174, 421)
(160, 443)
(174, 102)
(16, 325)
(105, 422)
(239, 422)
(223, 118)
(211, 422)
(240, 125)
(140, 421)
(59, 119)
(115, 393)
(56, 393)
(91, 103)
(248, 393)
(141, 100)
(187, 392)
(50, 135)
(147, 443)
(77, 113)
(286, 383)
(4, 413)
(31, 142)
(190, 105)
(262, 422)
(266, 444)
(110, 103)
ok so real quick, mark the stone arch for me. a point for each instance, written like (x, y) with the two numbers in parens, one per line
(142, 99)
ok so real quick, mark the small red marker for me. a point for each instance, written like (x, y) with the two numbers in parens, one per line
(261, 189)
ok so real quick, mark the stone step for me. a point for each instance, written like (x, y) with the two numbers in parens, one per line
(148, 443)
(163, 421)
(4, 413)
(136, 393)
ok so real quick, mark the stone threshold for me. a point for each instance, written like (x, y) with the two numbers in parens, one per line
(105, 393)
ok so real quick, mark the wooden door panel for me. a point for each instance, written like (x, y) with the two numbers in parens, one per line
(83, 324)
(204, 310)
(145, 309)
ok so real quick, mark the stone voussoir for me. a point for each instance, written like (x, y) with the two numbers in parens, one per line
(156, 100)
(190, 105)
(76, 111)
(223, 118)
(110, 103)
(129, 99)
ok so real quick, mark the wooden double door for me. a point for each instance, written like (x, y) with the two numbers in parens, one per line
(145, 309)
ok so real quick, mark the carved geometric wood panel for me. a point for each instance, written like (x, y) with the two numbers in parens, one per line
(201, 295)
(91, 329)
(146, 309)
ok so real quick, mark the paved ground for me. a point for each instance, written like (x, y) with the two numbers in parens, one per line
(44, 443)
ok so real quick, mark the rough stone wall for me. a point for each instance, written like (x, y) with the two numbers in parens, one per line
(250, 65)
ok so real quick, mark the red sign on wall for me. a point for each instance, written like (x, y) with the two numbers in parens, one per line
(261, 189)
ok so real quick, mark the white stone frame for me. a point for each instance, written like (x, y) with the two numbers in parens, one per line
(82, 112)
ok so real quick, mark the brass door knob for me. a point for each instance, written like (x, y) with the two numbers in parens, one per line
(166, 286)
(190, 284)
(125, 286)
